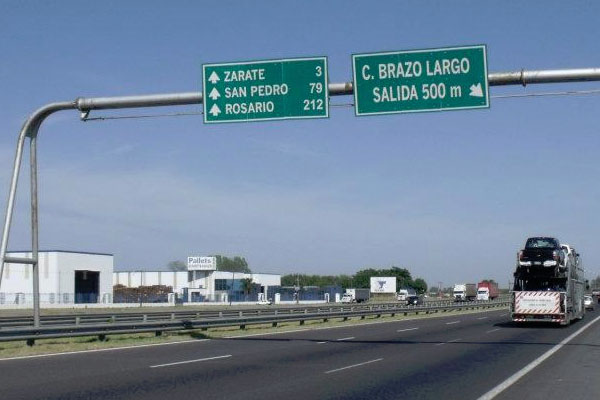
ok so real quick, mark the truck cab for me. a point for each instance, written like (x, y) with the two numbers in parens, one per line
(483, 293)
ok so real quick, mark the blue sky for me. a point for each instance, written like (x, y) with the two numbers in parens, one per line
(450, 195)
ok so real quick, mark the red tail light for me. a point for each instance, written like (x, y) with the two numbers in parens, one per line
(555, 255)
(520, 255)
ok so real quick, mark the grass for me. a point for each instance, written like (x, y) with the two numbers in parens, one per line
(49, 346)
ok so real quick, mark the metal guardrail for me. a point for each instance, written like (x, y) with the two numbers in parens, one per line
(87, 318)
(180, 324)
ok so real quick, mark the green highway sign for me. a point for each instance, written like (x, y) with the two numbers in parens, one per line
(453, 78)
(265, 90)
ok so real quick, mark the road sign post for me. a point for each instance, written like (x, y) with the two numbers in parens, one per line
(453, 78)
(265, 90)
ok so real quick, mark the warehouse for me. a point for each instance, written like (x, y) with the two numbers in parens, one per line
(65, 277)
(202, 286)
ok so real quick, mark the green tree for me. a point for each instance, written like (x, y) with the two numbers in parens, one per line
(235, 264)
(419, 285)
(177, 265)
(247, 285)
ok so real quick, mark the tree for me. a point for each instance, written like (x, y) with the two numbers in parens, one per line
(235, 264)
(420, 285)
(177, 266)
(247, 285)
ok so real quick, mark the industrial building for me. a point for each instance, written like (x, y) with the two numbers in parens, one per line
(65, 277)
(71, 277)
(203, 286)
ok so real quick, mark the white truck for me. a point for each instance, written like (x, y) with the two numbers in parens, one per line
(464, 292)
(356, 295)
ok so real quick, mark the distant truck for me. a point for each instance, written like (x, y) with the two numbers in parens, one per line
(548, 288)
(465, 292)
(487, 290)
(356, 295)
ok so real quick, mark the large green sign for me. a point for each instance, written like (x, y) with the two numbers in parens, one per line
(420, 80)
(265, 90)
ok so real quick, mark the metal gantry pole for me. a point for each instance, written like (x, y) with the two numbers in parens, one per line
(34, 231)
(85, 105)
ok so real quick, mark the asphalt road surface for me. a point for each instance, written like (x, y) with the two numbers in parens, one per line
(453, 357)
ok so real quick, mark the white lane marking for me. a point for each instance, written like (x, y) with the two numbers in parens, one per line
(453, 322)
(345, 326)
(345, 338)
(99, 350)
(493, 330)
(449, 341)
(407, 329)
(352, 366)
(321, 342)
(482, 318)
(503, 315)
(190, 361)
(521, 373)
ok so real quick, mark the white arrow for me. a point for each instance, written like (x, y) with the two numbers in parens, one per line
(476, 90)
(215, 110)
(214, 94)
(214, 78)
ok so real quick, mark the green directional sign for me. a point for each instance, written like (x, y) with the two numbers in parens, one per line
(265, 90)
(453, 78)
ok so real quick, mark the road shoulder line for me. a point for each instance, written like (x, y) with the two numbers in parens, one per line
(525, 370)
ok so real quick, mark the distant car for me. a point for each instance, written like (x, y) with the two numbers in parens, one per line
(264, 302)
(414, 300)
(588, 302)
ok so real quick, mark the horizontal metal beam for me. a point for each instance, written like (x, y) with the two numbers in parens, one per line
(19, 260)
(522, 77)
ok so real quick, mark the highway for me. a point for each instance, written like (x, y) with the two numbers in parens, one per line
(452, 357)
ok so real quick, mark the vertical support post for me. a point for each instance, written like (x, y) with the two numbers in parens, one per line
(34, 230)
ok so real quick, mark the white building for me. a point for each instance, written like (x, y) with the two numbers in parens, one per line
(198, 285)
(65, 277)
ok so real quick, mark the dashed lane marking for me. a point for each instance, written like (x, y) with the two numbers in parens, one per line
(407, 329)
(190, 361)
(353, 366)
